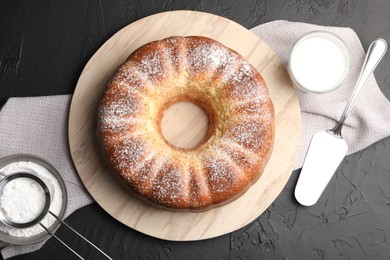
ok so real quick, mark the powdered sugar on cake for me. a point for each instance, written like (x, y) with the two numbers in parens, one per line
(197, 68)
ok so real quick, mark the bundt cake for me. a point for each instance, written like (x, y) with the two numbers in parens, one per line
(200, 70)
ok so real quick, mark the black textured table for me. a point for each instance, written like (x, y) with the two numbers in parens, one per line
(44, 46)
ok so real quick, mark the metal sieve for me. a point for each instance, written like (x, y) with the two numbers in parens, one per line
(48, 190)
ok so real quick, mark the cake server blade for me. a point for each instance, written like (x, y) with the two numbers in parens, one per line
(324, 156)
(328, 148)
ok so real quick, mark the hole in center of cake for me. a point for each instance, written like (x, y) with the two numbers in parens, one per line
(185, 125)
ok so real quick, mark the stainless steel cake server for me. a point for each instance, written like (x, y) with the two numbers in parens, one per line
(328, 148)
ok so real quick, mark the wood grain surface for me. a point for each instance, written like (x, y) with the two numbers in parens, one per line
(184, 125)
(112, 196)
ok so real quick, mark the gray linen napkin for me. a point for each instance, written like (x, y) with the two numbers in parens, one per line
(39, 125)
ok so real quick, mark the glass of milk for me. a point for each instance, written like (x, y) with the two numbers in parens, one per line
(319, 62)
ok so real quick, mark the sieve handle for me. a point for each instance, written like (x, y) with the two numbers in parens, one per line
(62, 242)
(77, 233)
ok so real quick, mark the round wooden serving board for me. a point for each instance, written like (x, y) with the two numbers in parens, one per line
(114, 197)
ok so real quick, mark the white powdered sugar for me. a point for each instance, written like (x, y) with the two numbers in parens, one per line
(248, 134)
(206, 57)
(27, 199)
(22, 200)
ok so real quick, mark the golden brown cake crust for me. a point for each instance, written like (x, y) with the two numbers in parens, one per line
(236, 148)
